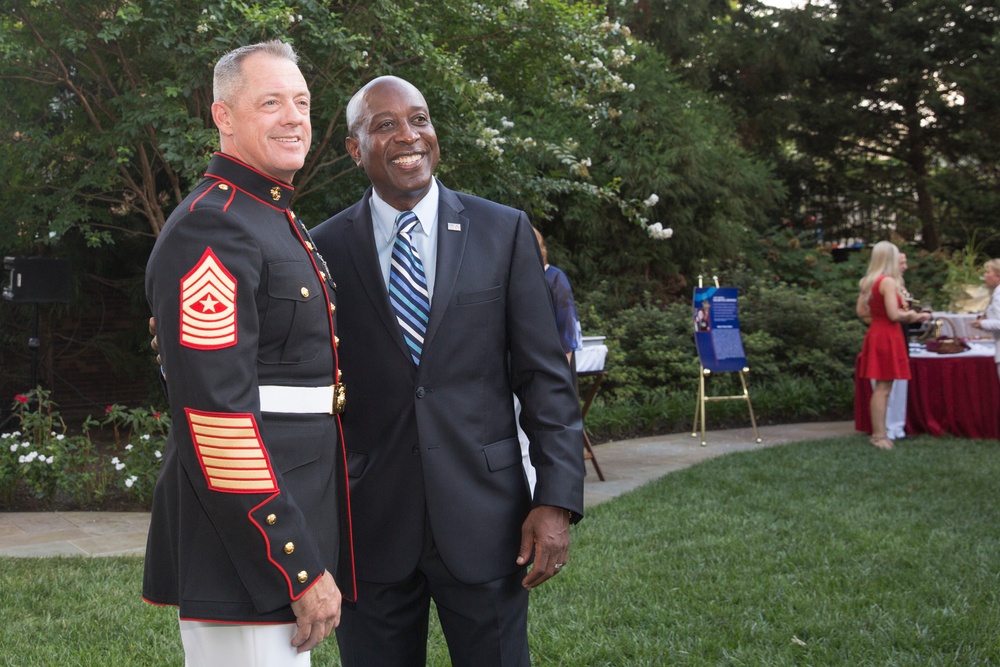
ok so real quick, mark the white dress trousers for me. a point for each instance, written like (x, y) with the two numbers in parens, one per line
(240, 645)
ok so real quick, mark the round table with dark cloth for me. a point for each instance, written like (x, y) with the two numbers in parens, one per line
(958, 394)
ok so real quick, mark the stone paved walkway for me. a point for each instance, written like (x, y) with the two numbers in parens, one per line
(626, 464)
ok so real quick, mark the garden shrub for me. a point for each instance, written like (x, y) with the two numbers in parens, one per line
(71, 469)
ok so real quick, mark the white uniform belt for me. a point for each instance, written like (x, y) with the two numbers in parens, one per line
(302, 400)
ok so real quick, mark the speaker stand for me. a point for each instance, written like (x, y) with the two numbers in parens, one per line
(34, 344)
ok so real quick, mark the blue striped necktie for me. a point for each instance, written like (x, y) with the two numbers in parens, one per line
(408, 286)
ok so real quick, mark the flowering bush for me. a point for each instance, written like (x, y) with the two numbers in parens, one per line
(22, 460)
(140, 436)
(52, 463)
(41, 454)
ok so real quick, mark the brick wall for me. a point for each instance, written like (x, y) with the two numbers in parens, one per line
(90, 355)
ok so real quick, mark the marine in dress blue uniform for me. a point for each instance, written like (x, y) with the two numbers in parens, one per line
(251, 505)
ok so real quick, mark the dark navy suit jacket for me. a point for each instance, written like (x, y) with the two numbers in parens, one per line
(438, 443)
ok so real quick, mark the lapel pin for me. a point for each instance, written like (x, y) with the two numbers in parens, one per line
(454, 226)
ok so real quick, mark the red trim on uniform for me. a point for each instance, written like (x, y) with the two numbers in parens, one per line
(340, 428)
(227, 622)
(269, 204)
(286, 186)
(231, 452)
(157, 604)
(315, 581)
(208, 305)
(247, 193)
(208, 190)
(267, 550)
(350, 516)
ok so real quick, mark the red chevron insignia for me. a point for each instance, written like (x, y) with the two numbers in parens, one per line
(208, 305)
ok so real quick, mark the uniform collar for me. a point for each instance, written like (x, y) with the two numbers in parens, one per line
(256, 184)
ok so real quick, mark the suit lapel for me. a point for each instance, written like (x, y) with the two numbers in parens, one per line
(361, 247)
(452, 231)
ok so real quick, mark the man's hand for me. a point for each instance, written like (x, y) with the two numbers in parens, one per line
(546, 532)
(317, 613)
(154, 343)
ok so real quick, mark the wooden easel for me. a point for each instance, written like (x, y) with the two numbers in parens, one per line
(703, 399)
(588, 451)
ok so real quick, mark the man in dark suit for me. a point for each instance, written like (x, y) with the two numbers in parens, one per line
(441, 506)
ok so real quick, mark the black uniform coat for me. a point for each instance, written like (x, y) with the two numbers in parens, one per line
(246, 508)
(439, 441)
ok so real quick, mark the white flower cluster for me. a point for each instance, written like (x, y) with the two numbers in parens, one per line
(203, 27)
(485, 92)
(615, 28)
(652, 201)
(659, 232)
(31, 456)
(490, 139)
(120, 465)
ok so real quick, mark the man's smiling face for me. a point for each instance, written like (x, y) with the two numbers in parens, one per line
(267, 125)
(395, 142)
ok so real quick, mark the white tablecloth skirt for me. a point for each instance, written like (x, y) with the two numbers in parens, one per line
(590, 358)
(961, 323)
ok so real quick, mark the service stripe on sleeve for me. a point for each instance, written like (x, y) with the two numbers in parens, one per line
(231, 452)
(208, 305)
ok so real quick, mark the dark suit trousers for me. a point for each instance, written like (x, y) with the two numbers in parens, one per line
(485, 625)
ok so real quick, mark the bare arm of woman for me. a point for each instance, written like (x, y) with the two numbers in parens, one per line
(887, 288)
(862, 309)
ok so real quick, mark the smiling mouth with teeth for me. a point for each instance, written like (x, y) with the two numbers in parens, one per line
(407, 159)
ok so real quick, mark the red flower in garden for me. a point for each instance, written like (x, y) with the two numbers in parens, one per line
(156, 416)
(21, 398)
(107, 410)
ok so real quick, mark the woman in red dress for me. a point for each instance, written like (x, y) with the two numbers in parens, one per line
(883, 355)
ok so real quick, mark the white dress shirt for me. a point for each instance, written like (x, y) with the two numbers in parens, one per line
(424, 235)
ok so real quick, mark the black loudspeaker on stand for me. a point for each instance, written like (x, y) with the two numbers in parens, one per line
(36, 280)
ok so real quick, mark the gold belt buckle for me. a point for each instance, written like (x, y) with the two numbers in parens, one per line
(339, 398)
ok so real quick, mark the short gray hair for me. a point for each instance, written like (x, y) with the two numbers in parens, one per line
(228, 82)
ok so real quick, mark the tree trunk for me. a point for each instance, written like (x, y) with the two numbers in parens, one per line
(917, 159)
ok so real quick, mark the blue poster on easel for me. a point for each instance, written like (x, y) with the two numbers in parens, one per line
(717, 329)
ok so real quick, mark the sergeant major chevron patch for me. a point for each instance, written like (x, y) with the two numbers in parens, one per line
(208, 305)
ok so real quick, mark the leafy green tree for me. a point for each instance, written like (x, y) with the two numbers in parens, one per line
(541, 105)
(893, 74)
(550, 106)
(678, 149)
(877, 114)
(890, 120)
(107, 121)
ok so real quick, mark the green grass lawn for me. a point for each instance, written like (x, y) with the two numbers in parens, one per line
(824, 553)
